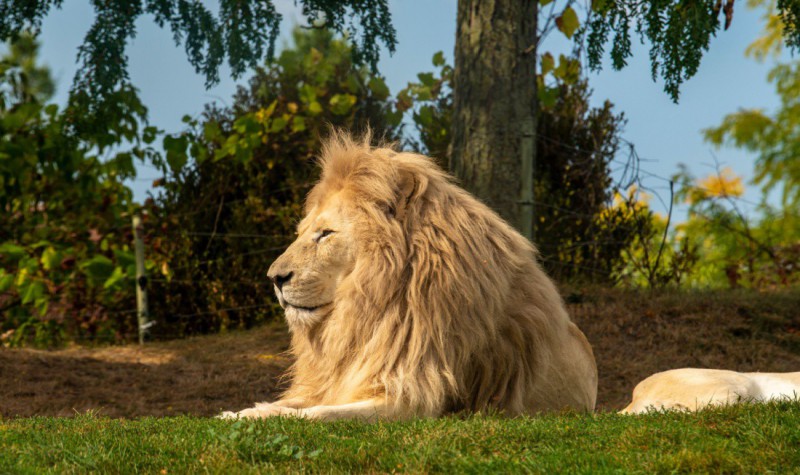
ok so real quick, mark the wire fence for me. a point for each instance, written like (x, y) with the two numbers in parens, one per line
(629, 172)
(627, 169)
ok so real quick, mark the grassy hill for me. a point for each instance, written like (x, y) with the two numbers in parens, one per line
(753, 439)
(164, 386)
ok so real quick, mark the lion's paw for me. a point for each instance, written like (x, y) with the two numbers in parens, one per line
(261, 410)
(228, 415)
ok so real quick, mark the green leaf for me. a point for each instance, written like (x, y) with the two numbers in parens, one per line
(427, 79)
(229, 149)
(298, 124)
(277, 124)
(568, 69)
(51, 109)
(547, 62)
(51, 258)
(199, 152)
(124, 258)
(394, 117)
(544, 2)
(211, 131)
(247, 124)
(352, 84)
(32, 291)
(41, 304)
(547, 96)
(149, 134)
(379, 88)
(6, 280)
(307, 93)
(568, 22)
(438, 59)
(116, 277)
(315, 108)
(40, 244)
(425, 116)
(98, 268)
(124, 164)
(11, 252)
(176, 152)
(598, 5)
(423, 93)
(342, 103)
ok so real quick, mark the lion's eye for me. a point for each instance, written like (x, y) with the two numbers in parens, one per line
(324, 233)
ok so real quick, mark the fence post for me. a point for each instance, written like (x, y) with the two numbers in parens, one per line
(141, 279)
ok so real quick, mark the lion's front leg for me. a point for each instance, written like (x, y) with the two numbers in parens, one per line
(369, 411)
(261, 410)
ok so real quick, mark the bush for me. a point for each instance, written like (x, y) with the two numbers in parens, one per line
(65, 219)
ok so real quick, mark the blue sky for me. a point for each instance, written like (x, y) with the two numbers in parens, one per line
(665, 134)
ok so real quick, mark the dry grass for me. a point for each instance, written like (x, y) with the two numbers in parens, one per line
(634, 334)
(198, 376)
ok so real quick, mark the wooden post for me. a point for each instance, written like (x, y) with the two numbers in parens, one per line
(141, 279)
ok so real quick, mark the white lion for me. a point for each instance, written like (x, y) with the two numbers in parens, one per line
(408, 297)
(691, 389)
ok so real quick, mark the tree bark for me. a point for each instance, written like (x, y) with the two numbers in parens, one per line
(495, 99)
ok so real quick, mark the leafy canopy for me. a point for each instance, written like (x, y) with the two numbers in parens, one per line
(775, 137)
(244, 31)
(679, 31)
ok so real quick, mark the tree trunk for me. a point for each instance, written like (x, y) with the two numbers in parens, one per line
(494, 122)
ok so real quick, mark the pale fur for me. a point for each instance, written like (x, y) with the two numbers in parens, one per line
(691, 389)
(438, 305)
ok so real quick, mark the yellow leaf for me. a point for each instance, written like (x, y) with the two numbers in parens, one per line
(725, 183)
(568, 22)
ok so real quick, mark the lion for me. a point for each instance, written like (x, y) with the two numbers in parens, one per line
(407, 297)
(692, 389)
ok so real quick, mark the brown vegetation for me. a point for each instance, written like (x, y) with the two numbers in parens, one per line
(198, 375)
(634, 334)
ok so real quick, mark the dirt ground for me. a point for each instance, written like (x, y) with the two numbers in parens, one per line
(634, 334)
(200, 375)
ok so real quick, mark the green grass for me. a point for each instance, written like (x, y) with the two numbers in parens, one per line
(762, 438)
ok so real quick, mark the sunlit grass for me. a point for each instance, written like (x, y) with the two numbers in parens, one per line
(763, 438)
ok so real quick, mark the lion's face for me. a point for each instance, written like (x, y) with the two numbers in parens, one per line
(307, 275)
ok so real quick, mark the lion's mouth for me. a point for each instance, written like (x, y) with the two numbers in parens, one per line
(301, 307)
(286, 304)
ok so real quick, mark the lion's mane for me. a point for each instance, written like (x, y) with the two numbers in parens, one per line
(446, 308)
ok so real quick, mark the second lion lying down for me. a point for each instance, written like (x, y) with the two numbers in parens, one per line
(692, 389)
(408, 297)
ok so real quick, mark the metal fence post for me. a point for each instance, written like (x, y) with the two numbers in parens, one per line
(141, 279)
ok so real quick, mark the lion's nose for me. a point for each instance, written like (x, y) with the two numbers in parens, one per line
(279, 279)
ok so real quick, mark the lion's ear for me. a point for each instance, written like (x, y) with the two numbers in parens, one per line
(405, 189)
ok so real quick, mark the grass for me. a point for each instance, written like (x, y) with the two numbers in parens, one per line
(746, 438)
